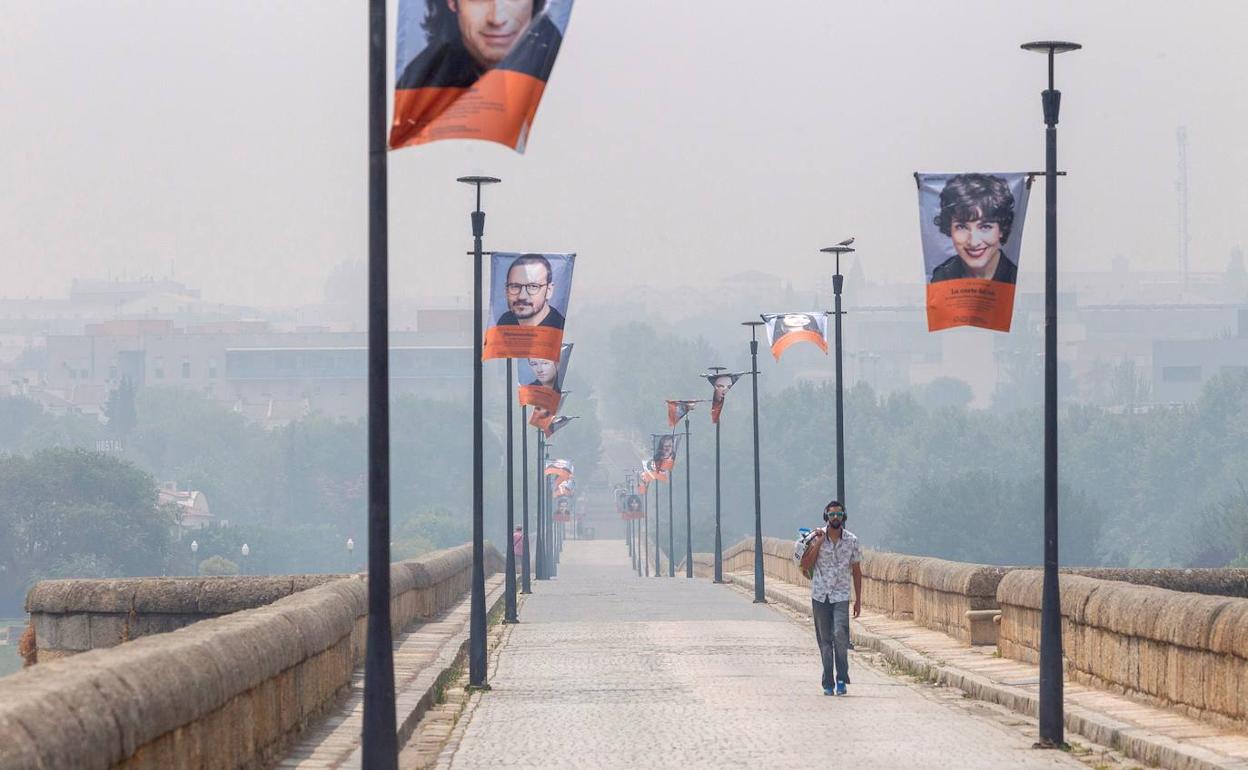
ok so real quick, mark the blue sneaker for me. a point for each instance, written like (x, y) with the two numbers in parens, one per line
(840, 689)
(829, 691)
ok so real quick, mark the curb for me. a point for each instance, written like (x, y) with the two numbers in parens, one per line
(1135, 742)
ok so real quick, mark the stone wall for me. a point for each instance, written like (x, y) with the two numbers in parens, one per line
(225, 692)
(954, 598)
(1181, 650)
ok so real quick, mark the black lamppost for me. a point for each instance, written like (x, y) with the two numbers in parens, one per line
(543, 568)
(838, 282)
(525, 588)
(671, 520)
(552, 560)
(509, 580)
(379, 740)
(1052, 730)
(477, 661)
(760, 596)
(645, 534)
(658, 511)
(688, 505)
(719, 543)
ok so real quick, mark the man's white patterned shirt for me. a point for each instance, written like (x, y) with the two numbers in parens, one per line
(831, 580)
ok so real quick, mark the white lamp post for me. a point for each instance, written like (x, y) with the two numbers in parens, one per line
(194, 558)
(246, 552)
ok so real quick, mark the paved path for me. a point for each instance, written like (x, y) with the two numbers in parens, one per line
(610, 670)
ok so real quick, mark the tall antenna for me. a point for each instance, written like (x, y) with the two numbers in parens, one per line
(1185, 235)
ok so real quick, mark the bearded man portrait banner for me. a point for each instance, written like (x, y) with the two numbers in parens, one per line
(529, 295)
(971, 226)
(473, 69)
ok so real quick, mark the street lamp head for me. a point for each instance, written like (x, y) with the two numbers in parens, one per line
(478, 180)
(1051, 46)
(350, 545)
(194, 546)
(751, 323)
(246, 551)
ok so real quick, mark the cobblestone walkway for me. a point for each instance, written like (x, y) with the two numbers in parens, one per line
(610, 670)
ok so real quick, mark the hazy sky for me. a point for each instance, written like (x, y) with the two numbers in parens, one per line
(227, 139)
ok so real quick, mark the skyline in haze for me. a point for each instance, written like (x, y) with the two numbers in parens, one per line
(230, 144)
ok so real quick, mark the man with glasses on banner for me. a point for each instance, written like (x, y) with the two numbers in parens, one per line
(530, 285)
(831, 557)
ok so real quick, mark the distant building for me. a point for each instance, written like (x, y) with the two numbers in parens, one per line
(1181, 368)
(192, 506)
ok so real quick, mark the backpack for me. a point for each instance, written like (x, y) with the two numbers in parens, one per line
(811, 555)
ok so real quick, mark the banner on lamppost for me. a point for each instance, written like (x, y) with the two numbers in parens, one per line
(565, 488)
(721, 384)
(562, 470)
(528, 303)
(971, 227)
(558, 422)
(541, 379)
(563, 508)
(665, 446)
(786, 329)
(676, 410)
(466, 69)
(633, 508)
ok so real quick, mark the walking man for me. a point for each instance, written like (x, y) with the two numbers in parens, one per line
(837, 558)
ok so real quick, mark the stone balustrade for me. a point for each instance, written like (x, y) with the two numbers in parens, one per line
(1181, 650)
(228, 691)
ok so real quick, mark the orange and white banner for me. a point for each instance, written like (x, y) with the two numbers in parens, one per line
(563, 508)
(540, 380)
(665, 446)
(473, 69)
(529, 296)
(787, 329)
(633, 508)
(971, 226)
(676, 410)
(721, 384)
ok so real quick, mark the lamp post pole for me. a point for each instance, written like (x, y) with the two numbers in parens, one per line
(645, 535)
(719, 542)
(245, 551)
(350, 552)
(760, 596)
(477, 661)
(838, 282)
(378, 740)
(658, 511)
(540, 551)
(509, 580)
(525, 588)
(195, 556)
(671, 519)
(552, 560)
(1052, 729)
(688, 506)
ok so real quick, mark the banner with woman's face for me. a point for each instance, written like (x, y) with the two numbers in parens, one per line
(541, 379)
(473, 69)
(971, 226)
(787, 329)
(563, 506)
(720, 385)
(529, 296)
(665, 446)
(634, 508)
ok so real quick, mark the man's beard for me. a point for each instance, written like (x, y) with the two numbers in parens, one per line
(526, 310)
(834, 524)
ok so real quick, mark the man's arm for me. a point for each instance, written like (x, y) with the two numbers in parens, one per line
(856, 569)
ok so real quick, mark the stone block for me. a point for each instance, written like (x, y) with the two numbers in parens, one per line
(107, 630)
(167, 595)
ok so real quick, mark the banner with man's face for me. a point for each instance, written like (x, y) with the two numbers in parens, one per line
(665, 446)
(541, 379)
(676, 410)
(473, 69)
(528, 302)
(721, 384)
(971, 227)
(787, 329)
(563, 507)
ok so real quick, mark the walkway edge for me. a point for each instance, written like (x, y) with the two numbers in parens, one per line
(1138, 744)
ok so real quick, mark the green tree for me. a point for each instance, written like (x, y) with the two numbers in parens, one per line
(65, 507)
(120, 409)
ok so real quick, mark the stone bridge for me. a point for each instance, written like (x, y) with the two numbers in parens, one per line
(609, 669)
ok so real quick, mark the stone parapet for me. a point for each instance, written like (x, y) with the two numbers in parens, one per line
(227, 692)
(1181, 650)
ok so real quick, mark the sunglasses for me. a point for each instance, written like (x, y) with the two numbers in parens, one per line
(834, 514)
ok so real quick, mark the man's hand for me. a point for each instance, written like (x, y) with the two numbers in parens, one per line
(857, 607)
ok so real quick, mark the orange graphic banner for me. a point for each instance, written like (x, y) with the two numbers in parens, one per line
(970, 302)
(522, 342)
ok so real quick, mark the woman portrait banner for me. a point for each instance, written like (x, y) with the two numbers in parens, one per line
(666, 445)
(721, 384)
(473, 69)
(787, 329)
(541, 379)
(971, 226)
(529, 295)
(633, 508)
